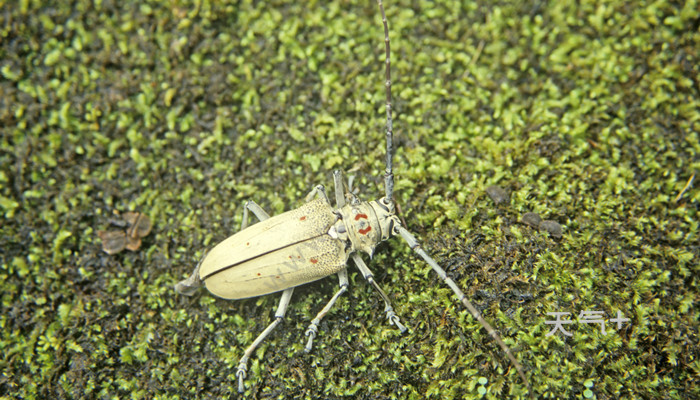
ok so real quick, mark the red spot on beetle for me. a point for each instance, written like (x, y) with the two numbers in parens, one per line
(358, 216)
(259, 274)
(302, 218)
(313, 260)
(365, 231)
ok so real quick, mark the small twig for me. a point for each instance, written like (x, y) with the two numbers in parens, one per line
(685, 188)
(479, 49)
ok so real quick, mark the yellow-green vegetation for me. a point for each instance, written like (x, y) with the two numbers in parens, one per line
(585, 112)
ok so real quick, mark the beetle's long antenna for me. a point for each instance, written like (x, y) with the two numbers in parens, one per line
(389, 172)
(415, 246)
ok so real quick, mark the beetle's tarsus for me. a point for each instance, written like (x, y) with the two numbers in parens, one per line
(311, 332)
(388, 309)
(394, 319)
(241, 374)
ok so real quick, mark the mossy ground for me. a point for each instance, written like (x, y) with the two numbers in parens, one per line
(585, 112)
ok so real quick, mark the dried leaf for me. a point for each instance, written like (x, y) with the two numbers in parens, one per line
(532, 219)
(553, 227)
(133, 243)
(112, 241)
(497, 194)
(139, 224)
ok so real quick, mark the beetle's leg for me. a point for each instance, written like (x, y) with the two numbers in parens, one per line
(317, 191)
(415, 246)
(256, 209)
(281, 309)
(279, 315)
(388, 309)
(312, 330)
(188, 286)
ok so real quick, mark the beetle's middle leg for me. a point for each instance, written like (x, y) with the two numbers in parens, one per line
(317, 191)
(312, 330)
(255, 209)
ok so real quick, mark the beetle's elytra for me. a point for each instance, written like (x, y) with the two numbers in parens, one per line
(311, 242)
(283, 251)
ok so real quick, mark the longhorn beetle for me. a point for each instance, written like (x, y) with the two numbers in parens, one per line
(314, 241)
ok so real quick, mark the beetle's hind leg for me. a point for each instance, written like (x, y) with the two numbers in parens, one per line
(388, 309)
(279, 315)
(251, 206)
(188, 286)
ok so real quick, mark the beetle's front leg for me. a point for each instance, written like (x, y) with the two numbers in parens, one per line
(388, 309)
(188, 286)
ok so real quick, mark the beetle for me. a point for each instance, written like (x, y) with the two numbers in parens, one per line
(312, 242)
